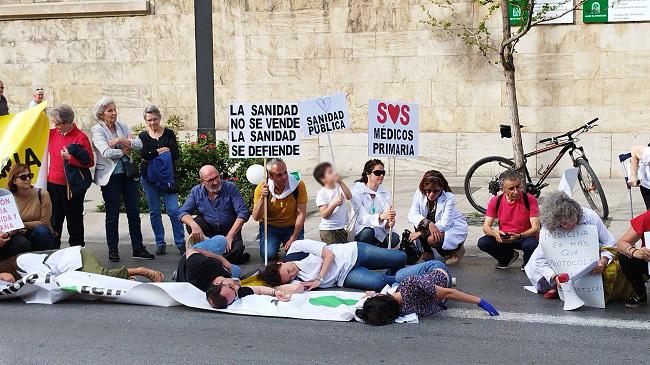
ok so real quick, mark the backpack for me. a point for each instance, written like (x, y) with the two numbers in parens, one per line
(500, 198)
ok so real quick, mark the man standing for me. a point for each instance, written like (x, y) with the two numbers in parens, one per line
(518, 215)
(287, 204)
(221, 211)
(38, 97)
(67, 145)
(4, 108)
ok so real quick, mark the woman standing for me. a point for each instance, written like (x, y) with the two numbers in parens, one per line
(117, 176)
(438, 223)
(371, 207)
(34, 207)
(159, 152)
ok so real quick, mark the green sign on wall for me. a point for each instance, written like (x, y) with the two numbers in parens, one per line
(611, 11)
(517, 11)
(595, 11)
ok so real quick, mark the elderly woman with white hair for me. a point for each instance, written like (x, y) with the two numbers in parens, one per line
(117, 176)
(560, 211)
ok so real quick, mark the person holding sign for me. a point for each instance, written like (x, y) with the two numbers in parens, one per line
(331, 203)
(635, 261)
(560, 211)
(517, 212)
(371, 206)
(287, 206)
(34, 206)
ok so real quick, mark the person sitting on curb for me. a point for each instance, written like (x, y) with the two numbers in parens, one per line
(517, 212)
(640, 172)
(75, 258)
(221, 212)
(224, 291)
(634, 261)
(287, 207)
(331, 203)
(438, 223)
(560, 211)
(425, 294)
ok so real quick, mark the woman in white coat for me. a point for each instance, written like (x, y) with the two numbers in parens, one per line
(117, 176)
(438, 223)
(372, 210)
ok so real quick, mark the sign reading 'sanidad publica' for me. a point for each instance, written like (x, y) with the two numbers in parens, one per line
(570, 252)
(264, 130)
(392, 128)
(324, 115)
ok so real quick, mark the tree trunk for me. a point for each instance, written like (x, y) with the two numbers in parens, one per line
(508, 64)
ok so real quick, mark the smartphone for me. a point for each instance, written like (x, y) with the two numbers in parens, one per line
(505, 236)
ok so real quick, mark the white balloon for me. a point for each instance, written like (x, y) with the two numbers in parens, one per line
(255, 174)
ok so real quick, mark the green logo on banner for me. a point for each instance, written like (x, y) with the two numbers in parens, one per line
(595, 11)
(331, 301)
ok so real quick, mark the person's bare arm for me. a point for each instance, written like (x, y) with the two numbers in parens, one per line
(346, 191)
(328, 258)
(301, 209)
(258, 207)
(197, 233)
(533, 230)
(326, 211)
(457, 295)
(637, 153)
(491, 231)
(295, 288)
(236, 227)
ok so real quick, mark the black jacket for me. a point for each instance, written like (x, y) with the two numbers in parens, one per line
(79, 178)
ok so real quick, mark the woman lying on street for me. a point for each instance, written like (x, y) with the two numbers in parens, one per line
(634, 261)
(560, 211)
(73, 258)
(438, 223)
(424, 294)
(346, 265)
(224, 291)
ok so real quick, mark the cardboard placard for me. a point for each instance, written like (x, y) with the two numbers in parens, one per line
(325, 114)
(392, 128)
(9, 216)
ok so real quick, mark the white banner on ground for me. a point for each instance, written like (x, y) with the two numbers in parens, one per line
(9, 216)
(392, 128)
(263, 130)
(324, 115)
(48, 289)
(570, 252)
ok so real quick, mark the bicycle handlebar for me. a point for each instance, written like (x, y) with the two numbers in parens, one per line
(570, 133)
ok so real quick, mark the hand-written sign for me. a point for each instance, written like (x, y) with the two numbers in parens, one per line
(570, 252)
(9, 216)
(264, 130)
(392, 129)
(324, 115)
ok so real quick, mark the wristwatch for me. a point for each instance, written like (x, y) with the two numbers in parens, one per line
(320, 278)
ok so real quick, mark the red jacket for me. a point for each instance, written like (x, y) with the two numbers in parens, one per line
(57, 142)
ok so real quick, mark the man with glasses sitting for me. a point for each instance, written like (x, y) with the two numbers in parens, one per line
(220, 214)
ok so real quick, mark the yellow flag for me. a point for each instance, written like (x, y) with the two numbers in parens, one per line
(23, 139)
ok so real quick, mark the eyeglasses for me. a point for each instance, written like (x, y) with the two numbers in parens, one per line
(25, 177)
(39, 89)
(379, 172)
(435, 191)
(213, 180)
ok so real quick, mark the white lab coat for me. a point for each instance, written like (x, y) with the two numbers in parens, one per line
(448, 218)
(539, 271)
(362, 204)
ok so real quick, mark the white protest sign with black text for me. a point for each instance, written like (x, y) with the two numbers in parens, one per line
(570, 252)
(263, 130)
(9, 216)
(392, 128)
(324, 115)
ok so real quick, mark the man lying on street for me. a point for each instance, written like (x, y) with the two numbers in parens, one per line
(346, 265)
(60, 261)
(201, 267)
(424, 292)
(224, 291)
(634, 261)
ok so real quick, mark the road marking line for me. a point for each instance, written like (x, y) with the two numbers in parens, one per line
(569, 319)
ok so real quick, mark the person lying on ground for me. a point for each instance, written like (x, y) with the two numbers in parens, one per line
(559, 211)
(73, 258)
(345, 265)
(425, 293)
(331, 204)
(634, 261)
(203, 263)
(224, 291)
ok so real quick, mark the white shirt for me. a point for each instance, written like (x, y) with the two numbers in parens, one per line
(345, 257)
(339, 217)
(368, 209)
(59, 262)
(644, 168)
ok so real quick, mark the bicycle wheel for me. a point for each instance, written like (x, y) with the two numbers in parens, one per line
(591, 188)
(482, 180)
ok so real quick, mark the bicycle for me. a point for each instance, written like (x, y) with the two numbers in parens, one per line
(485, 172)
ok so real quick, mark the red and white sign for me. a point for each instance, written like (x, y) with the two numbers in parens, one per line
(9, 215)
(392, 128)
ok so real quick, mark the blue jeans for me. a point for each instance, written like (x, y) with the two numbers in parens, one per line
(217, 245)
(171, 206)
(422, 269)
(41, 238)
(504, 252)
(277, 236)
(121, 186)
(369, 258)
(368, 235)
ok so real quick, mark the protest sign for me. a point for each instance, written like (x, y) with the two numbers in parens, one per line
(324, 115)
(570, 252)
(264, 130)
(9, 215)
(392, 129)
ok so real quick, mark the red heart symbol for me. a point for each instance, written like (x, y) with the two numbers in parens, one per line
(393, 111)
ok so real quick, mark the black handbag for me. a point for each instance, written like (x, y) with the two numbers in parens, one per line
(412, 249)
(130, 169)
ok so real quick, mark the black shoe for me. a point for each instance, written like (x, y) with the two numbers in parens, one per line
(113, 256)
(181, 250)
(515, 256)
(636, 301)
(245, 257)
(161, 250)
(142, 253)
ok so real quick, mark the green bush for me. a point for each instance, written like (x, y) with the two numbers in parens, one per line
(194, 155)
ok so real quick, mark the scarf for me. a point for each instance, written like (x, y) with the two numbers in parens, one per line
(291, 186)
